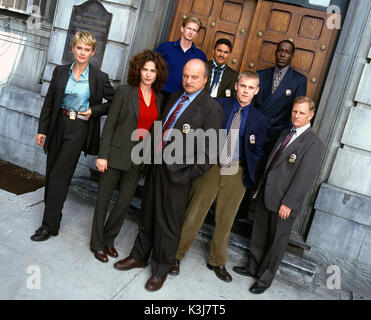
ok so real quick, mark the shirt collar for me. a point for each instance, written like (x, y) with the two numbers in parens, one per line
(192, 96)
(177, 44)
(237, 105)
(84, 75)
(300, 130)
(223, 66)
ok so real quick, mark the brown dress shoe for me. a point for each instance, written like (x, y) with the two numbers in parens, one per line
(112, 252)
(155, 283)
(100, 255)
(221, 272)
(128, 263)
(174, 270)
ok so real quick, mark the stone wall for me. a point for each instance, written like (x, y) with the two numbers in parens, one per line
(342, 220)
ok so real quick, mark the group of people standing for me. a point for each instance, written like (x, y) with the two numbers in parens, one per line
(269, 148)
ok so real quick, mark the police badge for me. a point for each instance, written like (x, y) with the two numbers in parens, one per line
(252, 139)
(228, 93)
(292, 158)
(186, 128)
(288, 92)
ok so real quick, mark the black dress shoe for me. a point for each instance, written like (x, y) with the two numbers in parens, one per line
(43, 234)
(257, 288)
(174, 270)
(112, 252)
(100, 255)
(243, 272)
(221, 272)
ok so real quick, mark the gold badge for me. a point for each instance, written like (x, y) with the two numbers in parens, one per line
(292, 158)
(252, 139)
(186, 128)
(288, 92)
(228, 93)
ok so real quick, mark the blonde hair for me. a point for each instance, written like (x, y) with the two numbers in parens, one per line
(86, 37)
(248, 75)
(308, 100)
(192, 19)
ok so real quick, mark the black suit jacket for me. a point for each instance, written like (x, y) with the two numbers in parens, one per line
(116, 143)
(227, 83)
(203, 113)
(100, 87)
(277, 107)
(293, 173)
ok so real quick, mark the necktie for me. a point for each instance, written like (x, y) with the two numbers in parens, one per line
(281, 148)
(276, 81)
(227, 152)
(169, 123)
(217, 73)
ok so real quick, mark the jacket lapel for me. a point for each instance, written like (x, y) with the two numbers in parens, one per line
(92, 84)
(135, 100)
(64, 78)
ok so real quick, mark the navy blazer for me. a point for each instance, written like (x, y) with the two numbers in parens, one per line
(277, 107)
(254, 137)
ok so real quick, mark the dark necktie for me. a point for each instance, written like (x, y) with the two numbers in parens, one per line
(170, 121)
(227, 152)
(281, 148)
(217, 72)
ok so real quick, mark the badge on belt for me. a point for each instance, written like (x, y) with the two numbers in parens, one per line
(73, 115)
(186, 128)
(288, 92)
(228, 93)
(252, 139)
(292, 158)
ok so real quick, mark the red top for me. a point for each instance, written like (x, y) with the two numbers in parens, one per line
(147, 114)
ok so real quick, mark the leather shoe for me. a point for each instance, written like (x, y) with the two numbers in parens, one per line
(112, 252)
(129, 263)
(243, 272)
(155, 282)
(257, 288)
(221, 272)
(100, 255)
(43, 234)
(174, 270)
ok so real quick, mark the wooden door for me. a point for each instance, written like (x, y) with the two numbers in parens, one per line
(255, 27)
(220, 19)
(307, 28)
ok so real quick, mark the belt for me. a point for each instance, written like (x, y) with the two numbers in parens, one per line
(73, 115)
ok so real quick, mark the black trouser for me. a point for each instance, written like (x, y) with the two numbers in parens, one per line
(160, 225)
(104, 233)
(269, 241)
(63, 155)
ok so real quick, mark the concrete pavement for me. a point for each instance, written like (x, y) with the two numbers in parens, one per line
(64, 268)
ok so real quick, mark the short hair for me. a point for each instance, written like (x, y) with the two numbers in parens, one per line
(288, 41)
(308, 100)
(223, 41)
(137, 62)
(85, 37)
(192, 19)
(248, 75)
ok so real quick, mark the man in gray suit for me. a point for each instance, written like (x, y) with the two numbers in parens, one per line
(289, 174)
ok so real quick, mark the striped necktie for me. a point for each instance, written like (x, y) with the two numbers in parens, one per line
(170, 121)
(276, 81)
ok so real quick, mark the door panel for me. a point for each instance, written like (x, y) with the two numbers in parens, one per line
(305, 27)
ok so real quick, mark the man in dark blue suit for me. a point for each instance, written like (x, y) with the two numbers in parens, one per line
(227, 181)
(279, 86)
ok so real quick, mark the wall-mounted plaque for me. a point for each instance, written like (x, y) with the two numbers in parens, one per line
(93, 17)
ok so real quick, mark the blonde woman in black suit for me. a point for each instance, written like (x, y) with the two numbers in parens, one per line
(135, 106)
(70, 123)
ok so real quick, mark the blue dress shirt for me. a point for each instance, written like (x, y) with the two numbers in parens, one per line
(186, 103)
(244, 113)
(176, 58)
(77, 93)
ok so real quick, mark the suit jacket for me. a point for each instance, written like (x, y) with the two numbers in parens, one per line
(254, 137)
(293, 173)
(203, 113)
(277, 107)
(123, 116)
(100, 87)
(228, 81)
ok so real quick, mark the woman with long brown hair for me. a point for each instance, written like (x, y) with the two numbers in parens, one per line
(135, 106)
